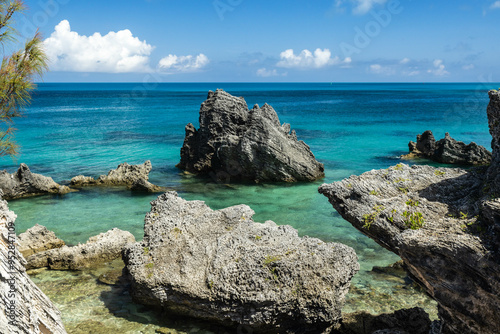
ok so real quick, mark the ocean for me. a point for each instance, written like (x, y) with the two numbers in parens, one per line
(90, 128)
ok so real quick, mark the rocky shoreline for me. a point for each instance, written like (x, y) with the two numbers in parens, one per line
(219, 266)
(443, 223)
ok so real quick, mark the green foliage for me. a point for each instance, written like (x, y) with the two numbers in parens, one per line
(404, 190)
(463, 215)
(439, 173)
(368, 219)
(398, 167)
(271, 259)
(414, 220)
(374, 193)
(258, 237)
(412, 203)
(16, 73)
(150, 265)
(146, 250)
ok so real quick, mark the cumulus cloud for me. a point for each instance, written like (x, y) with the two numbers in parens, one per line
(115, 52)
(360, 6)
(404, 61)
(495, 5)
(183, 63)
(306, 59)
(265, 73)
(439, 68)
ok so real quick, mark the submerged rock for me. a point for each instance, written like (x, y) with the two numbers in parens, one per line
(37, 239)
(24, 308)
(98, 249)
(134, 176)
(24, 183)
(445, 225)
(448, 150)
(223, 267)
(234, 143)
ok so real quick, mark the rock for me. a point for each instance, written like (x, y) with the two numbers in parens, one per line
(222, 267)
(98, 249)
(24, 308)
(37, 239)
(407, 321)
(24, 183)
(141, 185)
(234, 144)
(123, 175)
(448, 150)
(435, 220)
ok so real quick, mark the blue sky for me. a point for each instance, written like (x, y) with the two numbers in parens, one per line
(268, 41)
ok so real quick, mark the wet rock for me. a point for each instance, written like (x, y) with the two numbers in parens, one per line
(222, 267)
(37, 239)
(448, 150)
(407, 321)
(24, 308)
(24, 183)
(234, 143)
(135, 176)
(98, 249)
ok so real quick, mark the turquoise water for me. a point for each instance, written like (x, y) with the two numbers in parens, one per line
(88, 129)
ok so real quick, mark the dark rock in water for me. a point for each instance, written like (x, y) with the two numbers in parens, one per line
(134, 176)
(37, 239)
(445, 225)
(222, 267)
(448, 150)
(24, 308)
(234, 143)
(98, 249)
(406, 321)
(24, 183)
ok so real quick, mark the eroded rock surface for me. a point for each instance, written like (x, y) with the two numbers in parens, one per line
(134, 176)
(98, 249)
(234, 143)
(223, 267)
(24, 183)
(448, 150)
(24, 308)
(445, 225)
(37, 239)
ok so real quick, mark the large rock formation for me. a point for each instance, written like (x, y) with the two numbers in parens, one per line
(98, 249)
(24, 308)
(445, 225)
(24, 183)
(223, 267)
(448, 150)
(134, 176)
(234, 144)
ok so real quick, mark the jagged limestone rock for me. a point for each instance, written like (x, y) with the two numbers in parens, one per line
(24, 308)
(37, 239)
(98, 249)
(24, 183)
(223, 267)
(234, 144)
(448, 150)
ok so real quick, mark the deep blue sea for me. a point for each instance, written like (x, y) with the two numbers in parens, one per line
(90, 128)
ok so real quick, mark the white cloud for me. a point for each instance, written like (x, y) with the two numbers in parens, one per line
(360, 6)
(183, 63)
(468, 67)
(307, 59)
(495, 5)
(379, 69)
(404, 61)
(115, 52)
(265, 73)
(439, 68)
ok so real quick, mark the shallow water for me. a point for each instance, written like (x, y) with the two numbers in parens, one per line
(73, 129)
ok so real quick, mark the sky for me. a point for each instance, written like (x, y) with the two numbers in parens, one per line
(267, 41)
